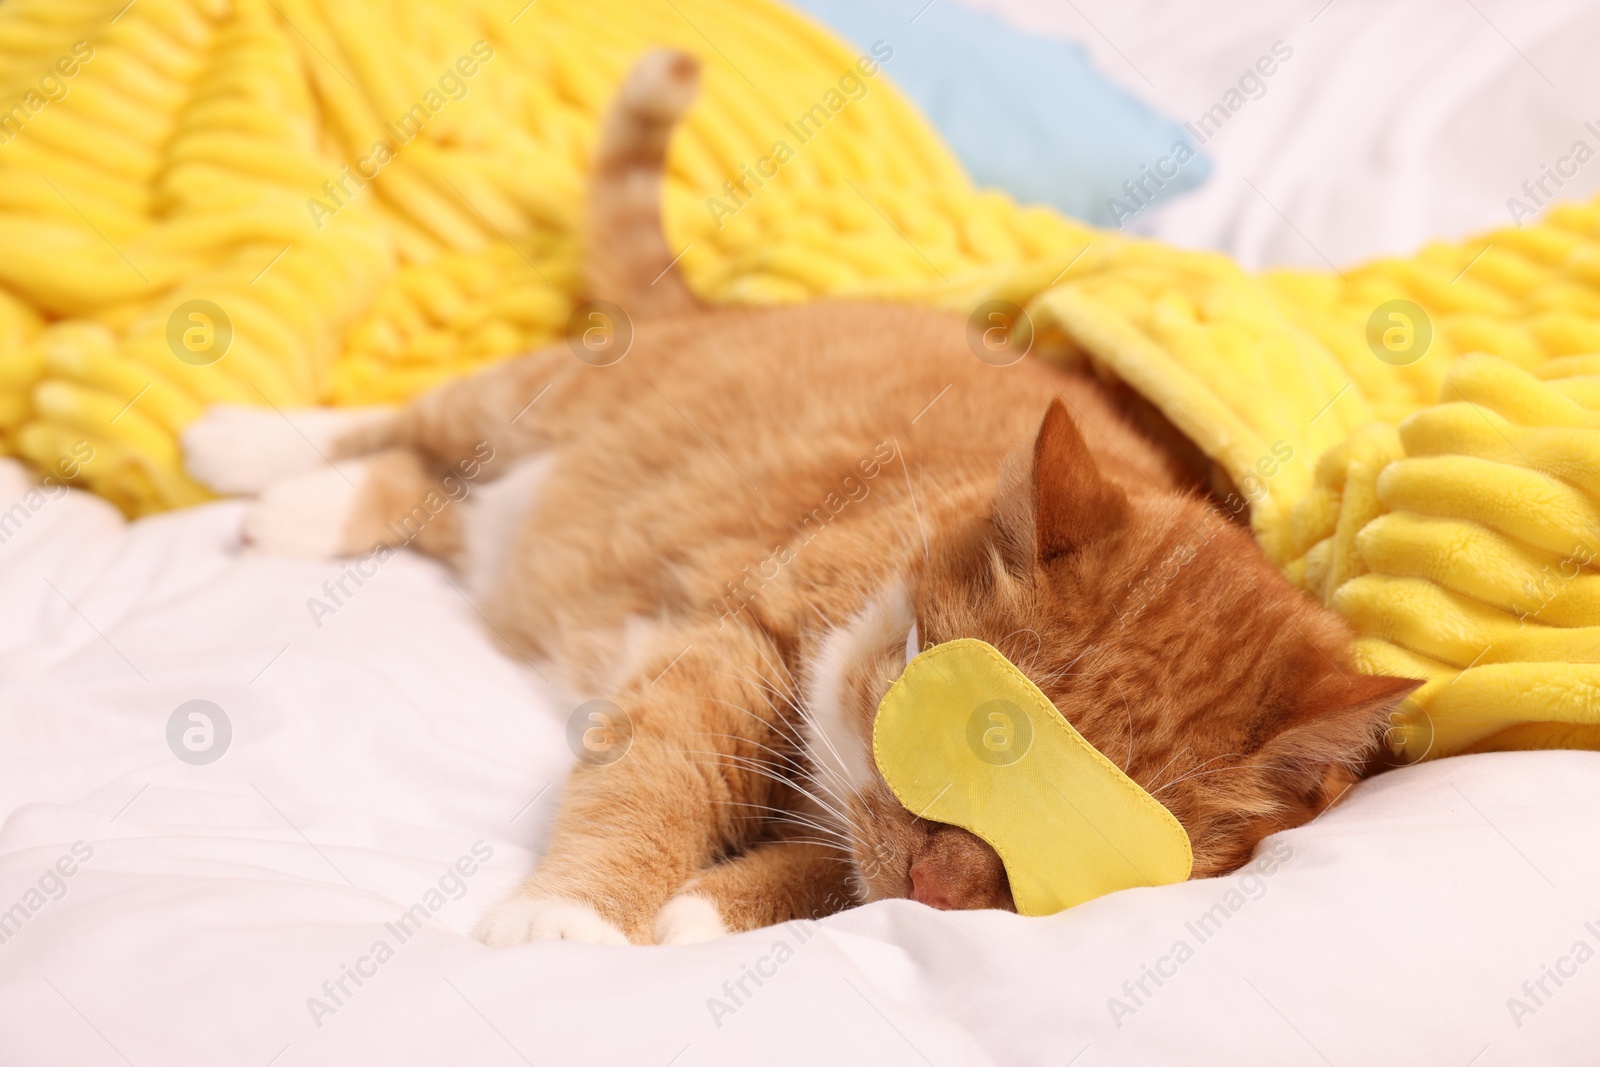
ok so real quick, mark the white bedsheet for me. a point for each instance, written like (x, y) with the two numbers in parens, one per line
(1393, 123)
(372, 753)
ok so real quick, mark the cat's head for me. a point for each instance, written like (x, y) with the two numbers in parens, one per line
(1158, 629)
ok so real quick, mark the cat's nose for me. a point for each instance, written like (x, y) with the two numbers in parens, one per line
(954, 870)
(930, 888)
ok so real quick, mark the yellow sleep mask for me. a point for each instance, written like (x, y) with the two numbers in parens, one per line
(963, 737)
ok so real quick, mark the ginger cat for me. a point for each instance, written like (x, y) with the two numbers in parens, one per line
(738, 528)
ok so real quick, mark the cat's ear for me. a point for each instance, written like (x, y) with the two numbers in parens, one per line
(1074, 504)
(1334, 730)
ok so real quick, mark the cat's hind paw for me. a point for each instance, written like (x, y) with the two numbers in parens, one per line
(233, 449)
(520, 919)
(310, 515)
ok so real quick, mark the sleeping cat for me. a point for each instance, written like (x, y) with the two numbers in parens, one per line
(733, 533)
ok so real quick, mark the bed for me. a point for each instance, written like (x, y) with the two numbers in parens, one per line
(385, 774)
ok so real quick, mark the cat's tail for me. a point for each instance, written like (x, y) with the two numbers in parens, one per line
(627, 259)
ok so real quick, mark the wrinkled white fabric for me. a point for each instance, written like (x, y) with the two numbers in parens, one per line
(1420, 922)
(371, 755)
(1393, 123)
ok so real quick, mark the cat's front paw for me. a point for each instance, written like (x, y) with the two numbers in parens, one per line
(688, 919)
(520, 919)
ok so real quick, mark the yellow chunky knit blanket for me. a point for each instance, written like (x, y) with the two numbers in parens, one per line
(291, 202)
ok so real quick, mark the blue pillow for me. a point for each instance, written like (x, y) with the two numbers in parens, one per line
(1023, 114)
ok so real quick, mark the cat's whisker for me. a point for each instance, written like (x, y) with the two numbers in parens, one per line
(812, 767)
(1156, 777)
(777, 726)
(1199, 771)
(779, 813)
(840, 769)
(783, 698)
(748, 675)
(1213, 759)
(831, 781)
(1202, 774)
(786, 817)
(787, 758)
(756, 767)
(1038, 647)
(868, 600)
(819, 767)
(791, 691)
(837, 789)
(827, 623)
(1067, 669)
(836, 837)
(741, 763)
(916, 509)
(733, 759)
(1127, 764)
(834, 845)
